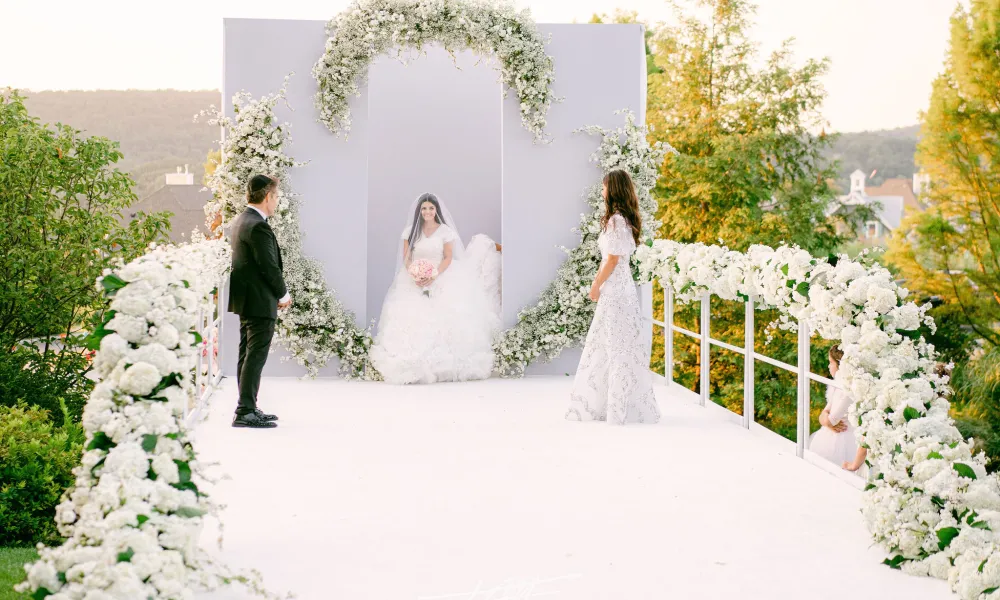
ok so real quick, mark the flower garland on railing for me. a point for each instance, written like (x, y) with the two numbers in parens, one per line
(134, 516)
(317, 326)
(369, 28)
(929, 502)
(563, 313)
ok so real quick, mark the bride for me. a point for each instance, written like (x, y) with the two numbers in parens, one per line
(438, 320)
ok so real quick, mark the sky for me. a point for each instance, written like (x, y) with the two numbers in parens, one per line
(884, 53)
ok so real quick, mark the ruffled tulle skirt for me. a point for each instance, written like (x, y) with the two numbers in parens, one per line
(440, 333)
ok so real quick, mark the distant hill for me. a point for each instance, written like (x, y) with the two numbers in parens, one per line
(155, 128)
(157, 134)
(889, 151)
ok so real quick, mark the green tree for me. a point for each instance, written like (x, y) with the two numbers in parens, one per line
(62, 202)
(750, 170)
(954, 247)
(952, 250)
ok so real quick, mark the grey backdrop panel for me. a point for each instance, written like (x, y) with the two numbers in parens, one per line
(599, 69)
(433, 128)
(351, 189)
(333, 186)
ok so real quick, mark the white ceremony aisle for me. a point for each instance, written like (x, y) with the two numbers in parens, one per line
(481, 490)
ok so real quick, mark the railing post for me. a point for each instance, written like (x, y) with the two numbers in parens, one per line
(220, 317)
(802, 410)
(706, 333)
(197, 370)
(668, 334)
(748, 365)
(210, 348)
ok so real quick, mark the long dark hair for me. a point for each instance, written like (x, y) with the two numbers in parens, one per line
(418, 222)
(622, 200)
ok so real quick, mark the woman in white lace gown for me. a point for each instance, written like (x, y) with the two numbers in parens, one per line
(441, 329)
(613, 382)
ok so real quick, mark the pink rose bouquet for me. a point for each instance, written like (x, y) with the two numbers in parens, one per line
(422, 271)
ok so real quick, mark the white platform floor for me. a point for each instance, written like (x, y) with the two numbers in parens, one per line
(482, 490)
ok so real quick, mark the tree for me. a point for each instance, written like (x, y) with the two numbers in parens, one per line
(749, 170)
(952, 250)
(62, 202)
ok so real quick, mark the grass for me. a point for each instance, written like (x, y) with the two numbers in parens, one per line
(12, 570)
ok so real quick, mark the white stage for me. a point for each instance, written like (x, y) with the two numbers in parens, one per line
(373, 492)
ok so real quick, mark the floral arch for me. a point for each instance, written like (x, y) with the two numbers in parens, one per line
(369, 28)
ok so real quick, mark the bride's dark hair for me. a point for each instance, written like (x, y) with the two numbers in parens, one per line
(419, 222)
(622, 200)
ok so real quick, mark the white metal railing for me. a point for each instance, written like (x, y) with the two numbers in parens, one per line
(750, 357)
(208, 373)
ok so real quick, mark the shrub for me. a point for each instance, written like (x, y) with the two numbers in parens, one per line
(36, 466)
(28, 376)
(65, 208)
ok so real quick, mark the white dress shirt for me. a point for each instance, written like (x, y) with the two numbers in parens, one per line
(286, 297)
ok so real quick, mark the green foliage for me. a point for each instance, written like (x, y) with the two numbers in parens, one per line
(43, 380)
(62, 202)
(952, 251)
(749, 172)
(976, 403)
(952, 340)
(36, 467)
(961, 234)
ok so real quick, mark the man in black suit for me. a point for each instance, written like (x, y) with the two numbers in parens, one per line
(256, 292)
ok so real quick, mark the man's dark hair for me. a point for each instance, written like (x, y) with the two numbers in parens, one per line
(259, 187)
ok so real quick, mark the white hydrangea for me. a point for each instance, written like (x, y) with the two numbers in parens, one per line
(132, 329)
(139, 379)
(131, 437)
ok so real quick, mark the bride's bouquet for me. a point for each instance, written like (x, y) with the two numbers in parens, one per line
(423, 271)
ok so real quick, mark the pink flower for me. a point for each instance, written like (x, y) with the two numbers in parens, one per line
(422, 270)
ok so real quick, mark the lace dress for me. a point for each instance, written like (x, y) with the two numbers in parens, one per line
(613, 381)
(446, 335)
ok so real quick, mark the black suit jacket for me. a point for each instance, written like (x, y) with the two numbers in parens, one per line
(256, 283)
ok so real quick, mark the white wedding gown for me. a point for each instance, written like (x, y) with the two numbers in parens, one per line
(448, 334)
(613, 382)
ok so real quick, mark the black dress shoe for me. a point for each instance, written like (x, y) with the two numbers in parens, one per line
(264, 415)
(252, 420)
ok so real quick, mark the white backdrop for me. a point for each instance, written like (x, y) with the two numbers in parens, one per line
(432, 127)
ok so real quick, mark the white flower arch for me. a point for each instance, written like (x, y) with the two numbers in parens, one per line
(369, 28)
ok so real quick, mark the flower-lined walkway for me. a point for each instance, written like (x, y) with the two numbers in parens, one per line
(370, 491)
